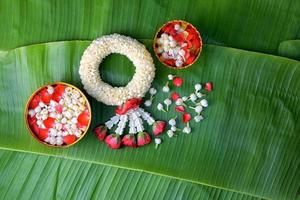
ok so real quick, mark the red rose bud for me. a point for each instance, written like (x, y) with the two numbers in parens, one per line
(143, 138)
(186, 117)
(177, 81)
(129, 140)
(180, 109)
(158, 127)
(100, 132)
(113, 141)
(174, 96)
(208, 86)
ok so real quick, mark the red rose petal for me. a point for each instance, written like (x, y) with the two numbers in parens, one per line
(43, 133)
(56, 96)
(180, 109)
(49, 122)
(170, 62)
(190, 59)
(31, 120)
(59, 88)
(81, 126)
(35, 101)
(174, 96)
(69, 139)
(84, 118)
(177, 81)
(209, 86)
(186, 117)
(35, 128)
(45, 96)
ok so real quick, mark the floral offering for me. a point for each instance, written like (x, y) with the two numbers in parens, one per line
(178, 44)
(58, 114)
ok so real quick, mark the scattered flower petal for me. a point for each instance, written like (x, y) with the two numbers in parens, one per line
(177, 81)
(186, 117)
(209, 86)
(175, 96)
(180, 109)
(69, 139)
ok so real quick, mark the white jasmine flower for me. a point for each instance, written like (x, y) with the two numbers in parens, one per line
(198, 118)
(198, 109)
(152, 91)
(187, 130)
(42, 104)
(50, 89)
(184, 98)
(37, 109)
(204, 103)
(157, 142)
(177, 27)
(170, 77)
(160, 107)
(193, 97)
(199, 94)
(166, 89)
(170, 133)
(172, 122)
(168, 102)
(179, 102)
(148, 103)
(31, 113)
(198, 86)
(178, 63)
(173, 128)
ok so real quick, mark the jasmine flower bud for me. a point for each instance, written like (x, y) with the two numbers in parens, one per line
(204, 102)
(193, 97)
(170, 133)
(172, 122)
(170, 77)
(187, 130)
(152, 91)
(198, 87)
(198, 118)
(166, 89)
(148, 103)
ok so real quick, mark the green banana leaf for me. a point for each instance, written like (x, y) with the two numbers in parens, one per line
(32, 176)
(248, 142)
(245, 24)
